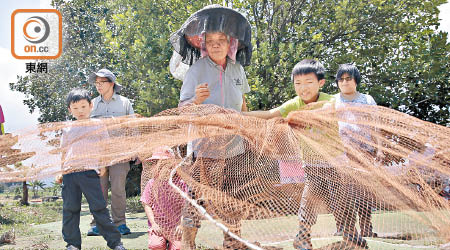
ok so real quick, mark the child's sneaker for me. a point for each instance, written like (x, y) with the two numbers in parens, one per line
(231, 243)
(355, 239)
(93, 231)
(302, 240)
(339, 231)
(72, 247)
(123, 229)
(369, 234)
(120, 247)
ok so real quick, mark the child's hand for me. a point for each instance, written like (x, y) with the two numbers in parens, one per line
(156, 229)
(58, 179)
(178, 231)
(102, 172)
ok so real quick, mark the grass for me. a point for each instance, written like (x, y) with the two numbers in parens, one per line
(283, 229)
(25, 220)
(12, 215)
(38, 226)
(134, 205)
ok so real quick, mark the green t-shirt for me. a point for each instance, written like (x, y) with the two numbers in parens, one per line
(329, 142)
(296, 103)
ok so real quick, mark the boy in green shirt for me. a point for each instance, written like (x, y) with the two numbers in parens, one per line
(308, 77)
(322, 179)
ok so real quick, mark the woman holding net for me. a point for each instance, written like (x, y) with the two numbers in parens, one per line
(215, 43)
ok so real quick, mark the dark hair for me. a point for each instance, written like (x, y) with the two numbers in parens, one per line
(350, 69)
(307, 66)
(76, 95)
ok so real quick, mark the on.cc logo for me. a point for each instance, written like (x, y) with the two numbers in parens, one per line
(36, 34)
(36, 29)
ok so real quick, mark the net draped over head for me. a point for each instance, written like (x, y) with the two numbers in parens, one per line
(213, 18)
(250, 192)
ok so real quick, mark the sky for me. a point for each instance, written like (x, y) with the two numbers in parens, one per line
(17, 114)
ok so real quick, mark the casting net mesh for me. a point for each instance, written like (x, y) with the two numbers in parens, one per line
(359, 168)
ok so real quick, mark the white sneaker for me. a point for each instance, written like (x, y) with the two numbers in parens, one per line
(120, 247)
(72, 247)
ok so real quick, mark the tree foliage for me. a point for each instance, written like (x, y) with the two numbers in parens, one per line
(404, 60)
(138, 37)
(83, 52)
(36, 185)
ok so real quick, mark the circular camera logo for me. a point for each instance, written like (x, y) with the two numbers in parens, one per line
(36, 29)
(36, 34)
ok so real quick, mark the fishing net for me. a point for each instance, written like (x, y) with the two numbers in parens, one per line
(365, 169)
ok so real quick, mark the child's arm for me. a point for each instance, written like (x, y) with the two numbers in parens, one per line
(268, 114)
(149, 212)
(59, 178)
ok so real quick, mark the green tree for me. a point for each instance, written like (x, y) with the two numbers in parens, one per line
(143, 51)
(36, 185)
(404, 60)
(55, 188)
(17, 190)
(24, 200)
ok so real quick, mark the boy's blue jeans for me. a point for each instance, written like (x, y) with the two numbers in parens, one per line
(88, 183)
(325, 183)
(322, 184)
